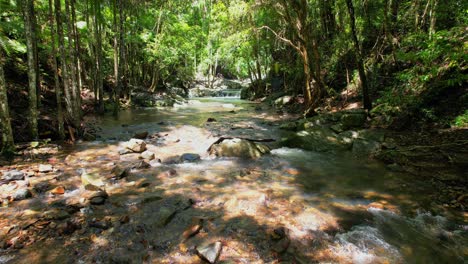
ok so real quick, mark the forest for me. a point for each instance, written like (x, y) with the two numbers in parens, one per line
(173, 131)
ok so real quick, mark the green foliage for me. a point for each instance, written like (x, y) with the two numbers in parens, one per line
(461, 120)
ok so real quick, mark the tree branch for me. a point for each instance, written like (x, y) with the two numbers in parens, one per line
(285, 40)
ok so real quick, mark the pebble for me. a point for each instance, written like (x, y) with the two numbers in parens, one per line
(22, 194)
(44, 168)
(13, 175)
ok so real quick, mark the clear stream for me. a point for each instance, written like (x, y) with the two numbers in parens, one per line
(334, 207)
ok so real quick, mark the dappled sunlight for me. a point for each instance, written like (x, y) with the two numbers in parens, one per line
(331, 208)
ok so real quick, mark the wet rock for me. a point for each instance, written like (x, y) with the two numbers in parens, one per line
(55, 214)
(68, 227)
(13, 175)
(136, 145)
(189, 157)
(278, 233)
(364, 148)
(143, 184)
(211, 119)
(353, 119)
(90, 187)
(100, 224)
(120, 172)
(91, 178)
(317, 139)
(165, 215)
(98, 198)
(337, 128)
(124, 151)
(140, 165)
(44, 168)
(372, 134)
(41, 187)
(281, 246)
(147, 155)
(22, 194)
(211, 252)
(141, 135)
(237, 147)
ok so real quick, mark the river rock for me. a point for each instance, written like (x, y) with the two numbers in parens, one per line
(189, 157)
(147, 155)
(281, 245)
(136, 145)
(211, 119)
(284, 100)
(141, 135)
(55, 214)
(353, 119)
(98, 198)
(365, 148)
(140, 165)
(41, 187)
(211, 252)
(320, 139)
(124, 151)
(237, 147)
(337, 128)
(120, 172)
(91, 179)
(44, 168)
(13, 175)
(22, 194)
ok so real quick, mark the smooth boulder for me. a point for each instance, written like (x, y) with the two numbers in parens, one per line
(237, 147)
(136, 145)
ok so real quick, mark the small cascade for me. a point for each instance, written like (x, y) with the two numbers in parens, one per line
(230, 93)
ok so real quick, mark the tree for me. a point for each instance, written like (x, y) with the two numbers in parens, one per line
(58, 89)
(27, 7)
(7, 132)
(295, 15)
(358, 55)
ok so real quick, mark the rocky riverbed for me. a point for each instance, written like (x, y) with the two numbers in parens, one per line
(220, 182)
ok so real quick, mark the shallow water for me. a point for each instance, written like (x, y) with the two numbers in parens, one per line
(334, 207)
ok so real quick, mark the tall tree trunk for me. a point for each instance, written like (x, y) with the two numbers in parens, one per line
(433, 17)
(74, 93)
(116, 62)
(58, 92)
(63, 61)
(28, 15)
(77, 56)
(97, 65)
(358, 54)
(5, 123)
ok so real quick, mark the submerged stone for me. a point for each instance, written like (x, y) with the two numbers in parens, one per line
(189, 157)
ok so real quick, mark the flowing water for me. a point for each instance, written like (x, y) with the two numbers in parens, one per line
(333, 207)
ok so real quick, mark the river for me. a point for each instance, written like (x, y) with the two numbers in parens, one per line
(332, 207)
